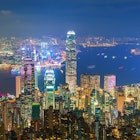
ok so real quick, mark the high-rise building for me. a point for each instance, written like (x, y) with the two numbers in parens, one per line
(36, 78)
(27, 90)
(88, 83)
(49, 88)
(18, 86)
(35, 111)
(64, 93)
(96, 81)
(28, 76)
(71, 63)
(134, 90)
(44, 47)
(92, 81)
(51, 117)
(110, 83)
(80, 98)
(5, 115)
(93, 102)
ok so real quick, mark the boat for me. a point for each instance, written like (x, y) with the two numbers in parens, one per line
(15, 71)
(135, 51)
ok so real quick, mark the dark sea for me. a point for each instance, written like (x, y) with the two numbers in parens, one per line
(116, 60)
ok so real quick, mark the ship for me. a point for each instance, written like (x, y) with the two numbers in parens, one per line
(15, 71)
(99, 44)
(135, 51)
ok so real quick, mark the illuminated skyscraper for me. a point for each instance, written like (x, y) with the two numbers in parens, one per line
(36, 79)
(49, 88)
(93, 102)
(90, 81)
(96, 81)
(44, 47)
(28, 76)
(18, 86)
(110, 83)
(71, 63)
(134, 90)
(5, 115)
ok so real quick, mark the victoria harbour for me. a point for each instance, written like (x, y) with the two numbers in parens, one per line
(99, 60)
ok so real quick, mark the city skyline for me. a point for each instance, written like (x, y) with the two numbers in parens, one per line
(67, 110)
(69, 69)
(86, 17)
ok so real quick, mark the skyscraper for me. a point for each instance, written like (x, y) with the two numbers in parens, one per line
(49, 88)
(18, 86)
(28, 76)
(35, 111)
(90, 81)
(109, 83)
(36, 79)
(71, 63)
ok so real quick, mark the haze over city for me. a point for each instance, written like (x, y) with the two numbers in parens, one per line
(85, 17)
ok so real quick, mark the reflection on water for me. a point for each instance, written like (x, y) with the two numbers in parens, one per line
(114, 60)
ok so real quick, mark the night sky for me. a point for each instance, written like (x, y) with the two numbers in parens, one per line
(55, 17)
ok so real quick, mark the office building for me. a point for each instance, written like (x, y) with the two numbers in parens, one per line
(44, 47)
(36, 125)
(110, 83)
(28, 76)
(51, 118)
(64, 93)
(18, 86)
(80, 98)
(71, 63)
(35, 111)
(36, 79)
(90, 81)
(49, 89)
(93, 102)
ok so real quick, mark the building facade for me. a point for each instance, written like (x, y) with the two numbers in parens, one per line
(92, 81)
(71, 63)
(18, 86)
(110, 83)
(28, 76)
(49, 89)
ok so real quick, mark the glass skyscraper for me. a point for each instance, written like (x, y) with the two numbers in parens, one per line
(71, 63)
(49, 88)
(28, 76)
(110, 83)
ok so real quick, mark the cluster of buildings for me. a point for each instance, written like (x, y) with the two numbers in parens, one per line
(69, 112)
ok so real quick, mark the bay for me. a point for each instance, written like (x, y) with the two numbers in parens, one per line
(116, 60)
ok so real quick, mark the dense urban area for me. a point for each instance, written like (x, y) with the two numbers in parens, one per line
(68, 112)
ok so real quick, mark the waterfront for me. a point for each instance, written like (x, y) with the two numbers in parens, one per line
(111, 60)
(100, 60)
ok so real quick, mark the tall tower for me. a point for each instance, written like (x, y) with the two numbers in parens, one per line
(71, 63)
(18, 86)
(110, 83)
(49, 88)
(44, 48)
(90, 81)
(28, 76)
